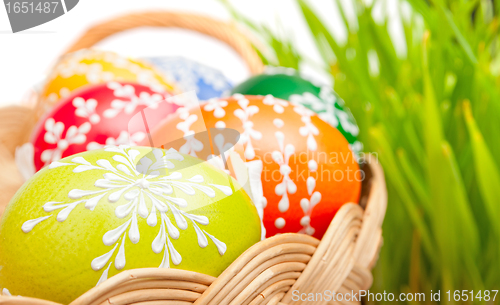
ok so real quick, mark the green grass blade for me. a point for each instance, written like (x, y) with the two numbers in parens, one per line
(418, 184)
(321, 36)
(452, 222)
(458, 34)
(486, 169)
(395, 175)
(442, 225)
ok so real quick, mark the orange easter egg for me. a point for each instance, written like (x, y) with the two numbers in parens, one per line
(308, 171)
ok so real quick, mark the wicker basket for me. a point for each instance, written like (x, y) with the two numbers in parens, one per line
(267, 273)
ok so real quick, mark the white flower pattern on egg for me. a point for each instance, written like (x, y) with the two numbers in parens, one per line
(127, 100)
(124, 138)
(217, 106)
(54, 135)
(147, 194)
(287, 185)
(281, 131)
(307, 205)
(282, 157)
(86, 109)
(94, 73)
(192, 145)
(309, 130)
(278, 104)
(245, 113)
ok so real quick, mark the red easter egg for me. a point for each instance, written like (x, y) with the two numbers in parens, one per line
(308, 173)
(98, 115)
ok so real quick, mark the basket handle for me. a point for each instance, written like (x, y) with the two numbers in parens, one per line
(222, 31)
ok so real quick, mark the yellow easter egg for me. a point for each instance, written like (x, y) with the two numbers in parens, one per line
(92, 215)
(90, 67)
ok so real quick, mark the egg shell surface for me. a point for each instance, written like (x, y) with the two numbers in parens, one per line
(94, 116)
(316, 97)
(309, 171)
(90, 216)
(90, 66)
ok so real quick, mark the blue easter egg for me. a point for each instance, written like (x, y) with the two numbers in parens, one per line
(190, 75)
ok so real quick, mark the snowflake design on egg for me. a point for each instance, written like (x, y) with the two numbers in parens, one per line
(357, 148)
(309, 99)
(325, 106)
(147, 194)
(127, 100)
(54, 135)
(345, 118)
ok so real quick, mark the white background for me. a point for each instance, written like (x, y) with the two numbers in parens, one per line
(25, 57)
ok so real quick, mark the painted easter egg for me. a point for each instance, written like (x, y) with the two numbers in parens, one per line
(90, 67)
(318, 98)
(92, 215)
(189, 75)
(308, 171)
(95, 116)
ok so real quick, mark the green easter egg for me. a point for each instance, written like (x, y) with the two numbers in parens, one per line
(92, 215)
(320, 99)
